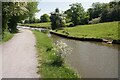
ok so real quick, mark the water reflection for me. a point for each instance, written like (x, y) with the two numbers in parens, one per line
(92, 59)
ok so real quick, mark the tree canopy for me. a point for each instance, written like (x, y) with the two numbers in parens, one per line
(77, 14)
(13, 12)
(106, 11)
(32, 9)
(45, 18)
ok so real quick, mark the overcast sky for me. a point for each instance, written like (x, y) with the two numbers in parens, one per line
(47, 6)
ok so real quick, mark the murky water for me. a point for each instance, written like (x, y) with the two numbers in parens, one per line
(92, 59)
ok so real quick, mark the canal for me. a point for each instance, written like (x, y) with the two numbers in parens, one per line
(92, 59)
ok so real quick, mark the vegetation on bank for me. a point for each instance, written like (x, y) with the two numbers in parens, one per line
(39, 25)
(107, 30)
(46, 57)
(7, 36)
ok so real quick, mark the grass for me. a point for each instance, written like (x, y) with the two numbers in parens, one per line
(39, 25)
(107, 30)
(46, 55)
(7, 36)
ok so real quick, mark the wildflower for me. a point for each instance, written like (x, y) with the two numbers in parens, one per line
(62, 48)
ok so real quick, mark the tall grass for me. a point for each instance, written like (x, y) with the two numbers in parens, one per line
(7, 36)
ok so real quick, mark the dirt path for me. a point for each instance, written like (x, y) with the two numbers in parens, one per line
(19, 56)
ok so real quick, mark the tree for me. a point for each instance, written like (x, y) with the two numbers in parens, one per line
(45, 18)
(32, 9)
(97, 9)
(57, 19)
(90, 12)
(12, 13)
(68, 17)
(77, 14)
(111, 12)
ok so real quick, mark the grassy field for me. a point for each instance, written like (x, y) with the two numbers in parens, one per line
(7, 36)
(107, 30)
(46, 55)
(39, 25)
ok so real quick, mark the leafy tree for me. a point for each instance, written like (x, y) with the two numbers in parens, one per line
(57, 19)
(32, 9)
(77, 14)
(68, 17)
(97, 9)
(111, 13)
(90, 12)
(12, 13)
(45, 18)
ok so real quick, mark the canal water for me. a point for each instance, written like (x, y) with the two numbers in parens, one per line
(92, 59)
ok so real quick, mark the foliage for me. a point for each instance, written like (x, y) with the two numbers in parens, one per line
(46, 57)
(111, 13)
(107, 30)
(97, 9)
(77, 14)
(14, 12)
(107, 11)
(7, 36)
(33, 20)
(68, 17)
(57, 19)
(32, 9)
(45, 18)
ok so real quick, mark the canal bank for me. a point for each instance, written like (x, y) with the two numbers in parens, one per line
(86, 39)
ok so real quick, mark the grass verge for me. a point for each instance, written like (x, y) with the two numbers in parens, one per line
(7, 36)
(39, 25)
(108, 30)
(46, 56)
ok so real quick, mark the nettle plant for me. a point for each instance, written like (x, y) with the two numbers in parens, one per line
(61, 51)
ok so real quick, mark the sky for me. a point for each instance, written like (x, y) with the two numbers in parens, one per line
(48, 6)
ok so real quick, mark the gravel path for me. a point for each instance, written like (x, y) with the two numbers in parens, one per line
(19, 56)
